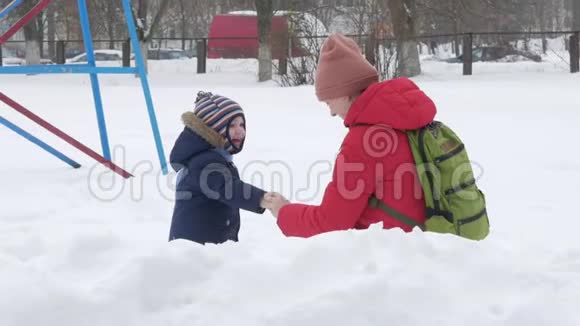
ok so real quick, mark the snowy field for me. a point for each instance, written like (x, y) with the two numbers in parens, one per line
(83, 247)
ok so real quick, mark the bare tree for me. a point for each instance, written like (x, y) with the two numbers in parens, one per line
(264, 11)
(67, 19)
(183, 20)
(461, 16)
(188, 18)
(51, 30)
(33, 34)
(403, 18)
(301, 69)
(576, 15)
(441, 17)
(145, 30)
(107, 20)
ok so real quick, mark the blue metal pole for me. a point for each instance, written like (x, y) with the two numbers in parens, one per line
(65, 69)
(144, 83)
(4, 12)
(39, 142)
(88, 40)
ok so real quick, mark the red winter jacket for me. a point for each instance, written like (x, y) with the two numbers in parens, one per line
(375, 158)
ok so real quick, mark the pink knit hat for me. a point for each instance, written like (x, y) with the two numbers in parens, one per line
(342, 70)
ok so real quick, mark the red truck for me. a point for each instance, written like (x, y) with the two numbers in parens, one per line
(235, 36)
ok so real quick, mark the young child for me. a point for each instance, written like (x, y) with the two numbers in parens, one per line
(209, 191)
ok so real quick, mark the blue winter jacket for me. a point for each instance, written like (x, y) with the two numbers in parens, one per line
(209, 192)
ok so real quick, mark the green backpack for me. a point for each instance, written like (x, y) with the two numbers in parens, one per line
(454, 203)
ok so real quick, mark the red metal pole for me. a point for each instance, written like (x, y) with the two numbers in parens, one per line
(24, 20)
(62, 135)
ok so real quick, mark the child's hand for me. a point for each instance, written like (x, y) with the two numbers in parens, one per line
(274, 202)
(267, 200)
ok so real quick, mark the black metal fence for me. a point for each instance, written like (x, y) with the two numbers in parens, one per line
(469, 48)
(465, 49)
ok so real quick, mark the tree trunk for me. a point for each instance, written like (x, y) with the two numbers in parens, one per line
(144, 51)
(183, 24)
(40, 33)
(264, 10)
(144, 31)
(402, 13)
(32, 55)
(542, 18)
(456, 27)
(576, 15)
(51, 31)
(111, 20)
(142, 12)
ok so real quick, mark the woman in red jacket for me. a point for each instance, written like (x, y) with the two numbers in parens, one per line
(374, 159)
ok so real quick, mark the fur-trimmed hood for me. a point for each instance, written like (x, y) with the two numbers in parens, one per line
(195, 139)
(191, 121)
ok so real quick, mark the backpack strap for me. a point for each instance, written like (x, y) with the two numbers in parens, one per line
(437, 212)
(374, 202)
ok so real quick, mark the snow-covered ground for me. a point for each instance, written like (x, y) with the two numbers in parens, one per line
(83, 247)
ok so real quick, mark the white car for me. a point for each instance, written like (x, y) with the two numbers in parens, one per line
(14, 61)
(9, 58)
(166, 54)
(101, 55)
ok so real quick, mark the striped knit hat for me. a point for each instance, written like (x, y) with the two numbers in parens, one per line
(216, 112)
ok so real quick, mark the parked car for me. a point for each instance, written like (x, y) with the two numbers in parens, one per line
(45, 61)
(10, 57)
(191, 53)
(166, 54)
(100, 55)
(16, 58)
(497, 53)
(70, 53)
(22, 62)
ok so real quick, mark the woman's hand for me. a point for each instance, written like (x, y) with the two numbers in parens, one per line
(274, 201)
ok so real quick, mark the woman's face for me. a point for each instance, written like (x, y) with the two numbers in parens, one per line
(237, 131)
(339, 106)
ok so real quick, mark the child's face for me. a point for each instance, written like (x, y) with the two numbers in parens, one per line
(237, 131)
(339, 106)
